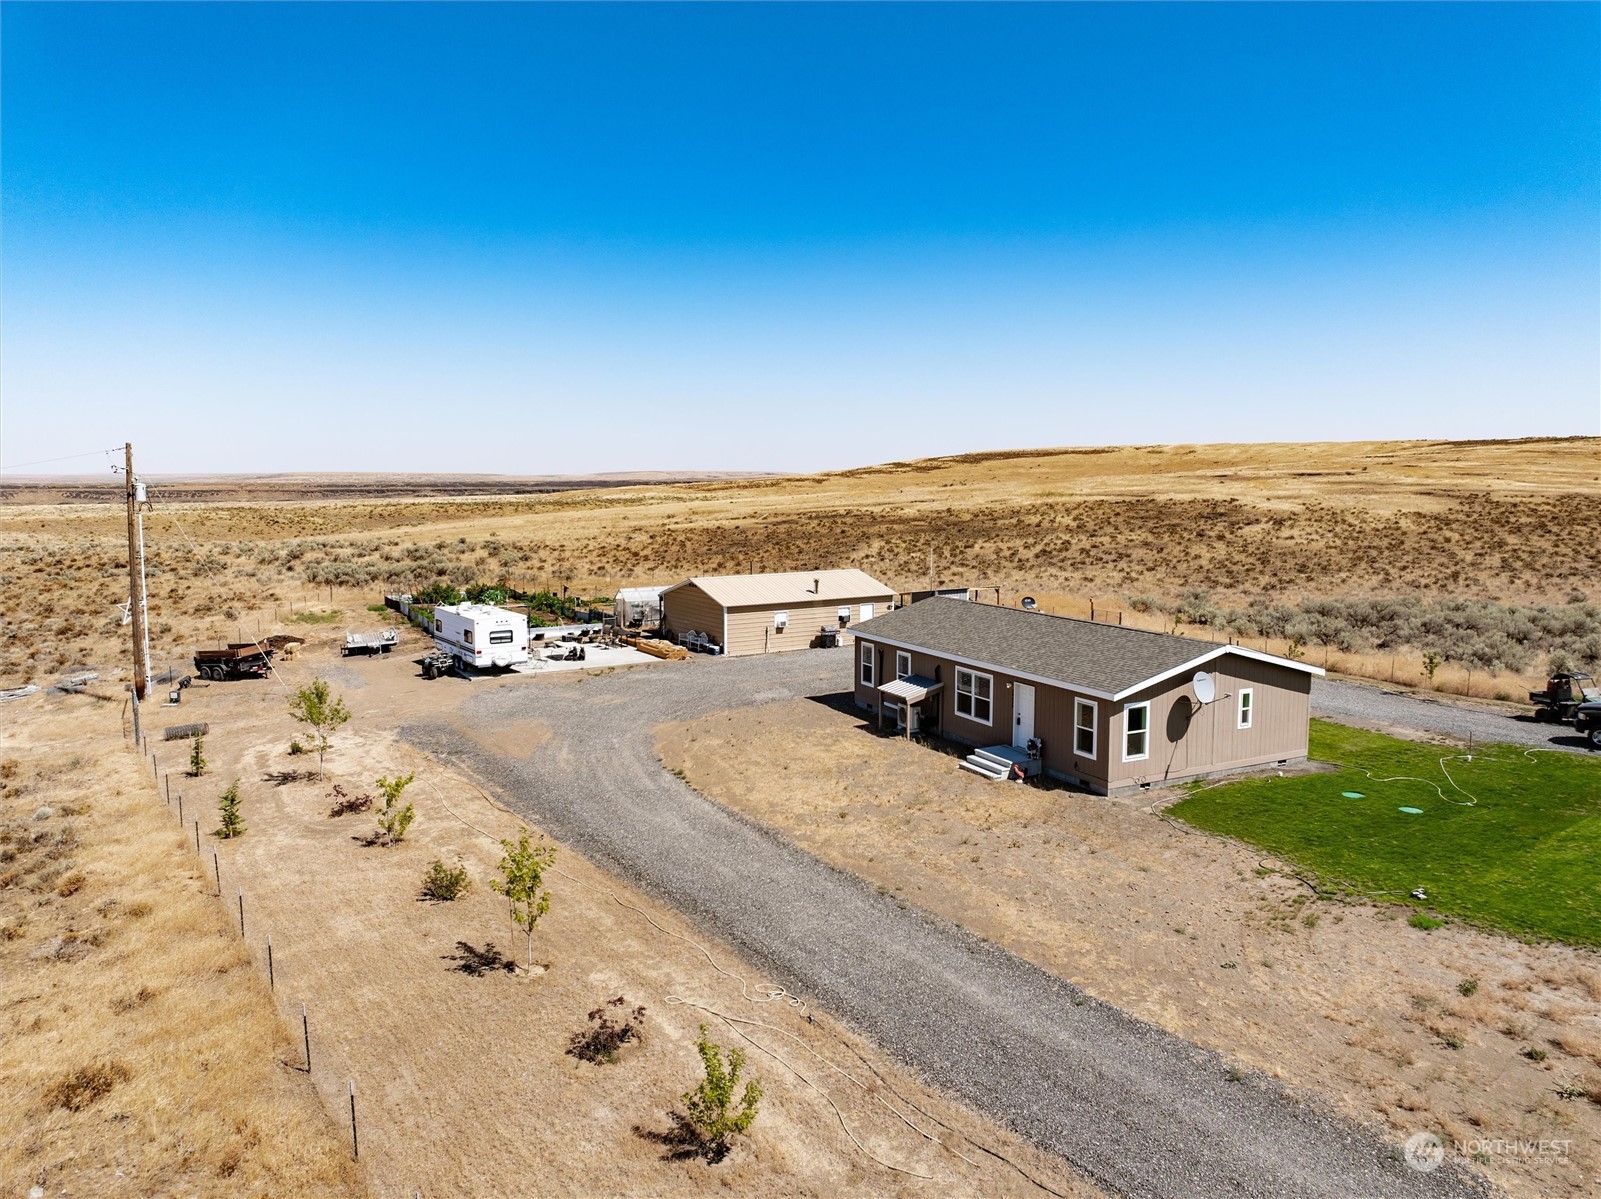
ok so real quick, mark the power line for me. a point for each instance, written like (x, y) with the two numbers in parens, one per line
(63, 458)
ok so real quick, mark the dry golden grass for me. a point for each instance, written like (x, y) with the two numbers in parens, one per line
(1503, 520)
(142, 1053)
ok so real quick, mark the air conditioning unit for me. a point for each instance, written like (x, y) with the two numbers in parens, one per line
(781, 620)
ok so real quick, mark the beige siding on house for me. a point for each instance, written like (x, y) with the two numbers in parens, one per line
(1187, 740)
(688, 609)
(1184, 741)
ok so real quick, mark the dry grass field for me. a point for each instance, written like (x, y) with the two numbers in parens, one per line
(142, 1054)
(1508, 521)
(1414, 1030)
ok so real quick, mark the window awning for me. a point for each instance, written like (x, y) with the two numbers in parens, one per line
(913, 688)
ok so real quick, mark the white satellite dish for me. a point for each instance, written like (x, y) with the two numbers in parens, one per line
(1205, 688)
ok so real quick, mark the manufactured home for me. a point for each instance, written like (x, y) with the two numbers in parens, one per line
(481, 636)
(761, 614)
(1105, 707)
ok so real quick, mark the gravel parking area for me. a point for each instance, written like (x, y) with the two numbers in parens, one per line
(1138, 1110)
(1383, 708)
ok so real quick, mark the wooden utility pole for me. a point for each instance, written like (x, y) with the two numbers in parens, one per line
(136, 581)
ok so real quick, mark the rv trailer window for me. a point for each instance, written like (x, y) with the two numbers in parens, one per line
(500, 637)
(439, 626)
(468, 636)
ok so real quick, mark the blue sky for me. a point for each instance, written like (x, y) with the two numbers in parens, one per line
(415, 237)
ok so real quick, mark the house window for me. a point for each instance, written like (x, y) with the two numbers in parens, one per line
(867, 664)
(1084, 728)
(973, 695)
(903, 664)
(1136, 732)
(1247, 705)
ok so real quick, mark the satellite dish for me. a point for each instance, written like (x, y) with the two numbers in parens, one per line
(1029, 604)
(1205, 688)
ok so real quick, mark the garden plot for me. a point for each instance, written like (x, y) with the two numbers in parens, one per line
(1469, 1034)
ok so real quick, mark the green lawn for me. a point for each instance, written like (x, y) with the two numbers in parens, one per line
(1525, 858)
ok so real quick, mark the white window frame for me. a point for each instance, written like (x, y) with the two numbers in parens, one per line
(1145, 732)
(1245, 708)
(902, 656)
(866, 674)
(1081, 706)
(973, 697)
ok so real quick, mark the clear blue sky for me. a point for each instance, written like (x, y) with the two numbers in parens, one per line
(789, 237)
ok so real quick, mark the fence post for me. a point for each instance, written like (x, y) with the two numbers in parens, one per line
(305, 1028)
(355, 1145)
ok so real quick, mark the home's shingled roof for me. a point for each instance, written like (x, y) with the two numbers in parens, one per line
(1103, 658)
(793, 587)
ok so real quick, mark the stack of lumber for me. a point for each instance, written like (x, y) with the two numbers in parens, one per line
(657, 649)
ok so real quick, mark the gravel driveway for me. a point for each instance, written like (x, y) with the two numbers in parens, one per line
(1356, 703)
(1140, 1111)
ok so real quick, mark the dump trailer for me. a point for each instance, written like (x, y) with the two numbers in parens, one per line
(1562, 696)
(240, 661)
(480, 636)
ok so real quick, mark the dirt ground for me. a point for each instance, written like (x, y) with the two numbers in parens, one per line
(141, 1053)
(1194, 933)
(461, 1079)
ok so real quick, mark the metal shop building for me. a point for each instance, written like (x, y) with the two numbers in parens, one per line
(759, 614)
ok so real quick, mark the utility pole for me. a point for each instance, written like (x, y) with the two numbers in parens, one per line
(931, 566)
(136, 578)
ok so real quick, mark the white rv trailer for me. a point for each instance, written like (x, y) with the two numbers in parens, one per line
(481, 635)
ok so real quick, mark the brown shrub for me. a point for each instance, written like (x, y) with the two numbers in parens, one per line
(72, 884)
(85, 1085)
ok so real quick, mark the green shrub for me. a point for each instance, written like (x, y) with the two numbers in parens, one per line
(444, 883)
(1467, 987)
(197, 757)
(393, 819)
(233, 823)
(710, 1110)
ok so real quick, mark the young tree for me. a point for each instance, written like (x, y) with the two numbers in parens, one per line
(710, 1106)
(1432, 662)
(393, 819)
(321, 711)
(522, 874)
(233, 823)
(197, 757)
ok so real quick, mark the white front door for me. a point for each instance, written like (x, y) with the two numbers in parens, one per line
(1022, 714)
